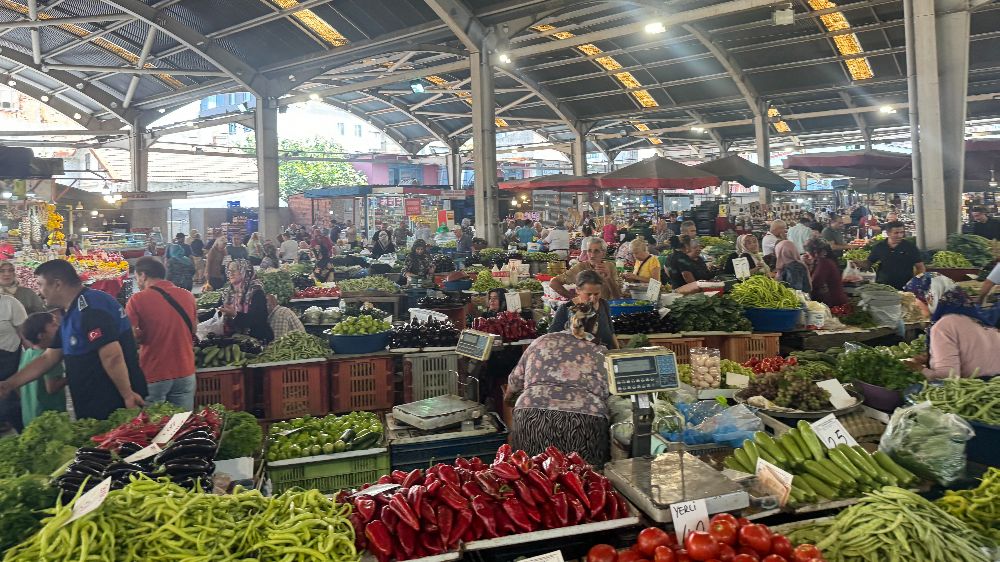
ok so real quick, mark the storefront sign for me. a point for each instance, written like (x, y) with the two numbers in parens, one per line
(412, 207)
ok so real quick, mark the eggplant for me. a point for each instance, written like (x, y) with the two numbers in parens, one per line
(185, 450)
(200, 441)
(94, 452)
(128, 448)
(122, 465)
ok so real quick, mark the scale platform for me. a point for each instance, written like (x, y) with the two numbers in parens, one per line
(652, 484)
(440, 411)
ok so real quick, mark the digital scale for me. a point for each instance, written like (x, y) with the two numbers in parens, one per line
(475, 344)
(640, 373)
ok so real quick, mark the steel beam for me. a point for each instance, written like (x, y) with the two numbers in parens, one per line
(433, 128)
(747, 90)
(395, 78)
(36, 39)
(147, 46)
(266, 134)
(463, 23)
(37, 23)
(859, 119)
(131, 70)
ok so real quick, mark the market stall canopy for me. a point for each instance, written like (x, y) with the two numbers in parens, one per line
(868, 164)
(734, 168)
(343, 191)
(658, 173)
(564, 183)
(905, 185)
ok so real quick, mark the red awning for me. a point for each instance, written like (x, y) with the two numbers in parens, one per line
(554, 182)
(658, 173)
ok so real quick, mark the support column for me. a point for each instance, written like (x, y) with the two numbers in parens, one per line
(579, 152)
(762, 131)
(138, 149)
(453, 161)
(266, 133)
(484, 141)
(938, 56)
(723, 152)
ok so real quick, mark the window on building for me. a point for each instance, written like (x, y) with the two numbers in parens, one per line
(212, 102)
(86, 161)
(357, 130)
(340, 129)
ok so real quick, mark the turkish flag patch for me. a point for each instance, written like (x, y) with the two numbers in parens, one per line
(94, 335)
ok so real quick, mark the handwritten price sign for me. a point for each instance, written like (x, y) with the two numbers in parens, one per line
(688, 517)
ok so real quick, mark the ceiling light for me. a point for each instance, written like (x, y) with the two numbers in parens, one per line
(162, 110)
(314, 97)
(93, 213)
(77, 116)
(504, 58)
(79, 206)
(84, 229)
(887, 109)
(698, 129)
(79, 85)
(7, 194)
(417, 87)
(655, 27)
(12, 83)
(783, 16)
(44, 99)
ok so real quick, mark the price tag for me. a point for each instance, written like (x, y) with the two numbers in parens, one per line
(174, 424)
(550, 557)
(741, 267)
(653, 292)
(144, 453)
(90, 500)
(774, 480)
(513, 302)
(288, 432)
(736, 380)
(838, 395)
(832, 433)
(687, 517)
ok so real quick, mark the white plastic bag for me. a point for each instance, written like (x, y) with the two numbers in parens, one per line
(851, 273)
(214, 325)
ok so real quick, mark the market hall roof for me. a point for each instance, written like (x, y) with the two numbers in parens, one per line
(583, 65)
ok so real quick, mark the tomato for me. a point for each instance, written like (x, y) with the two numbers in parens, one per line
(805, 553)
(602, 553)
(629, 555)
(774, 558)
(664, 554)
(781, 546)
(649, 539)
(745, 558)
(726, 553)
(742, 522)
(701, 545)
(757, 537)
(723, 531)
(682, 555)
(725, 517)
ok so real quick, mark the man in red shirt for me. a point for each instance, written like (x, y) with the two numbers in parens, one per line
(322, 243)
(163, 318)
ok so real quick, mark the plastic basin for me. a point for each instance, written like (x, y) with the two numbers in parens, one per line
(880, 397)
(773, 319)
(359, 344)
(460, 285)
(618, 307)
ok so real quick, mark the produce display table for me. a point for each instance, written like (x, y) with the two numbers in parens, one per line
(394, 304)
(821, 340)
(109, 286)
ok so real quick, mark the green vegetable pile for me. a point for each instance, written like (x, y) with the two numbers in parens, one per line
(278, 283)
(541, 257)
(903, 350)
(724, 243)
(209, 299)
(857, 255)
(485, 282)
(304, 437)
(979, 508)
(702, 313)
(360, 326)
(947, 259)
(49, 441)
(150, 520)
(293, 346)
(874, 367)
(730, 366)
(21, 501)
(893, 524)
(452, 244)
(976, 249)
(370, 283)
(241, 435)
(760, 291)
(529, 285)
(973, 399)
(859, 318)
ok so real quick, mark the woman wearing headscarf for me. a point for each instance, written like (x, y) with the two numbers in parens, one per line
(826, 279)
(214, 273)
(255, 249)
(382, 245)
(962, 340)
(245, 302)
(306, 253)
(789, 267)
(418, 264)
(271, 259)
(559, 392)
(180, 267)
(8, 286)
(748, 247)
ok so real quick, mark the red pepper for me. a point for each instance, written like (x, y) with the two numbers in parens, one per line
(432, 544)
(389, 517)
(504, 525)
(448, 475)
(445, 518)
(503, 454)
(379, 539)
(539, 458)
(483, 507)
(575, 459)
(365, 507)
(477, 464)
(506, 470)
(385, 479)
(552, 469)
(558, 455)
(427, 514)
(413, 478)
(533, 513)
(572, 481)
(578, 513)
(560, 505)
(461, 524)
(357, 521)
(397, 476)
(515, 511)
(523, 492)
(415, 497)
(405, 513)
(622, 506)
(462, 463)
(407, 538)
(488, 483)
(596, 497)
(471, 490)
(539, 482)
(434, 487)
(612, 505)
(522, 461)
(452, 498)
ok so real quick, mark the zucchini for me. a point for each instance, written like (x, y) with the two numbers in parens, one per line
(843, 464)
(751, 448)
(882, 475)
(857, 461)
(811, 441)
(831, 467)
(822, 473)
(743, 459)
(787, 444)
(764, 442)
(904, 476)
(821, 488)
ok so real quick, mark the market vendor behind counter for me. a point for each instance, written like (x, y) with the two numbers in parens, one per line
(589, 286)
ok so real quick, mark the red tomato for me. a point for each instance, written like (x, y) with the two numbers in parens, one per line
(742, 522)
(723, 531)
(781, 546)
(726, 553)
(649, 539)
(745, 558)
(664, 554)
(701, 545)
(805, 553)
(602, 553)
(725, 517)
(757, 537)
(774, 558)
(629, 555)
(682, 555)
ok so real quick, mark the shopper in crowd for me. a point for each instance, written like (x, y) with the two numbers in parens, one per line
(198, 257)
(589, 286)
(801, 233)
(306, 254)
(559, 392)
(992, 280)
(984, 225)
(401, 233)
(423, 232)
(790, 268)
(323, 270)
(7, 249)
(777, 233)
(180, 240)
(214, 272)
(898, 259)
(288, 248)
(463, 241)
(12, 316)
(163, 317)
(826, 279)
(237, 250)
(479, 244)
(610, 232)
(558, 240)
(646, 267)
(418, 264)
(255, 249)
(747, 247)
(95, 337)
(382, 244)
(660, 230)
(271, 259)
(322, 244)
(686, 265)
(9, 286)
(47, 393)
(857, 213)
(611, 286)
(150, 248)
(245, 303)
(962, 340)
(282, 319)
(588, 236)
(687, 228)
(525, 235)
(540, 232)
(180, 267)
(833, 234)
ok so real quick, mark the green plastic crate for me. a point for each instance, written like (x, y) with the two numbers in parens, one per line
(329, 473)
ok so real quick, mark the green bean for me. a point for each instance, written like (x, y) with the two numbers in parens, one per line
(971, 398)
(760, 291)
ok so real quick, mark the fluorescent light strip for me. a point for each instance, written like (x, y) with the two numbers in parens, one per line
(316, 24)
(859, 68)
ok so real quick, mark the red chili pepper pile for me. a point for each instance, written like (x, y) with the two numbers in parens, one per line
(141, 430)
(728, 539)
(769, 364)
(433, 510)
(317, 293)
(842, 310)
(508, 325)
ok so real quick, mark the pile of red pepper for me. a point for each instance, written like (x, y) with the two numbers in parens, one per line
(141, 430)
(432, 511)
(508, 325)
(769, 364)
(842, 310)
(317, 293)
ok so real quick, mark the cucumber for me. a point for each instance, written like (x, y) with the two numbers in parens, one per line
(822, 489)
(821, 473)
(882, 475)
(743, 459)
(751, 448)
(857, 461)
(904, 476)
(801, 483)
(796, 497)
(767, 456)
(807, 496)
(831, 467)
(811, 441)
(765, 443)
(794, 454)
(732, 463)
(843, 464)
(796, 438)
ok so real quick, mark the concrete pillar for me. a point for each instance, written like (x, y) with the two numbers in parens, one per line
(723, 152)
(453, 161)
(579, 153)
(266, 133)
(762, 131)
(138, 145)
(938, 58)
(484, 141)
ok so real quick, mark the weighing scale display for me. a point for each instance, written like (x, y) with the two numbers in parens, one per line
(642, 371)
(474, 344)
